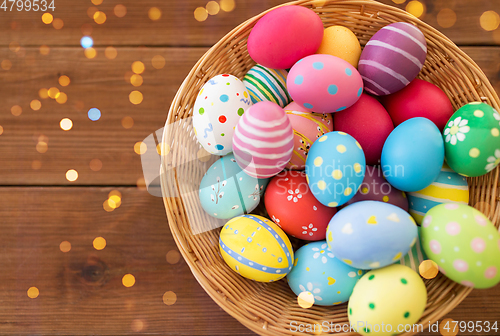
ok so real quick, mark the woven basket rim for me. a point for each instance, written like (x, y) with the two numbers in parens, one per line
(174, 205)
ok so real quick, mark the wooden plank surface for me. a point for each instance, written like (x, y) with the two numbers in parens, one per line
(81, 291)
(177, 25)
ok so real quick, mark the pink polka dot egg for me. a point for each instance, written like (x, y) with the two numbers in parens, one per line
(324, 83)
(464, 243)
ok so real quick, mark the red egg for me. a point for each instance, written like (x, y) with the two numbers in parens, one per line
(419, 99)
(369, 123)
(376, 188)
(290, 204)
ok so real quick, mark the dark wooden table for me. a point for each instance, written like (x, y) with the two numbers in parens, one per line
(56, 277)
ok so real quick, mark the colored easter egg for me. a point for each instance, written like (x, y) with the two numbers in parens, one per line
(307, 128)
(392, 58)
(415, 256)
(285, 35)
(263, 140)
(293, 106)
(419, 99)
(292, 206)
(464, 243)
(449, 187)
(218, 107)
(335, 168)
(385, 301)
(265, 84)
(369, 123)
(324, 83)
(472, 140)
(413, 155)
(371, 234)
(318, 273)
(226, 191)
(341, 42)
(376, 188)
(256, 248)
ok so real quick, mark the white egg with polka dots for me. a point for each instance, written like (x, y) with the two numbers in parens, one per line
(217, 109)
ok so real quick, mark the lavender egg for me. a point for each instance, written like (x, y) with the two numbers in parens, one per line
(392, 58)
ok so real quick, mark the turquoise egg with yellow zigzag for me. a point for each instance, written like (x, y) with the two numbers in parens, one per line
(449, 187)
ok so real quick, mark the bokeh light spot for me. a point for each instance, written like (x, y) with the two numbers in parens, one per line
(65, 246)
(138, 67)
(136, 80)
(43, 93)
(1, 130)
(116, 200)
(107, 207)
(169, 298)
(415, 8)
(35, 105)
(399, 1)
(446, 18)
(120, 11)
(99, 17)
(173, 257)
(47, 18)
(154, 13)
(212, 7)
(58, 23)
(305, 299)
(90, 53)
(94, 114)
(110, 53)
(86, 42)
(33, 292)
(64, 80)
(99, 243)
(72, 175)
(200, 14)
(52, 92)
(14, 46)
(158, 62)
(91, 11)
(97, 2)
(6, 64)
(128, 280)
(141, 183)
(115, 193)
(137, 325)
(489, 20)
(135, 97)
(61, 98)
(140, 148)
(16, 110)
(127, 122)
(428, 269)
(36, 164)
(95, 164)
(42, 147)
(448, 327)
(227, 5)
(66, 124)
(44, 50)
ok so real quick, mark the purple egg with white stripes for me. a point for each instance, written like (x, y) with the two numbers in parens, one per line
(263, 140)
(392, 58)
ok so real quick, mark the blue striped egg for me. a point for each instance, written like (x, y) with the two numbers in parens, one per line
(265, 84)
(449, 187)
(256, 248)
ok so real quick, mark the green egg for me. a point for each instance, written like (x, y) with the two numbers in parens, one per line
(472, 140)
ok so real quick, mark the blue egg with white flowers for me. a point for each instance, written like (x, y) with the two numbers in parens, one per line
(319, 277)
(335, 168)
(413, 155)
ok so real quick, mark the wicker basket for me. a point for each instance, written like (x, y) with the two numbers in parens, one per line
(269, 308)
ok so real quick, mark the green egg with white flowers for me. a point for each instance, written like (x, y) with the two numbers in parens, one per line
(472, 140)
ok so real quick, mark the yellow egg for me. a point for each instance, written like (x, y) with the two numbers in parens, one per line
(256, 248)
(386, 301)
(341, 42)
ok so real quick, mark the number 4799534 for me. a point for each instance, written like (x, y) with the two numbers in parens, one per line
(27, 5)
(470, 326)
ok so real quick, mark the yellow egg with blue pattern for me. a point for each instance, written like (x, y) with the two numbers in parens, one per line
(449, 187)
(256, 248)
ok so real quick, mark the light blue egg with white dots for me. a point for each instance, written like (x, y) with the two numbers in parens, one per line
(226, 191)
(320, 275)
(335, 168)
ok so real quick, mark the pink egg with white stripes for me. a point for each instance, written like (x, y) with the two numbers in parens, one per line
(392, 58)
(263, 140)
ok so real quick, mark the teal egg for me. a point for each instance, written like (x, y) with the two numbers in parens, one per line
(226, 191)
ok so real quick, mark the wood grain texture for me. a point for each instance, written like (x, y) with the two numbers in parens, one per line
(178, 27)
(81, 291)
